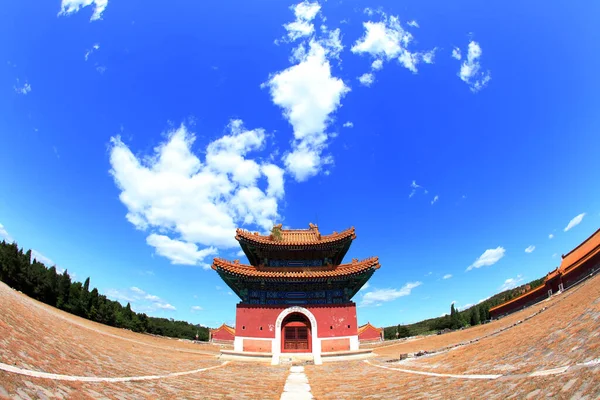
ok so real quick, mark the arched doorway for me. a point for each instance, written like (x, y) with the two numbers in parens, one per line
(296, 334)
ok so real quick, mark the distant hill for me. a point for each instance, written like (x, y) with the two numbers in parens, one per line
(474, 315)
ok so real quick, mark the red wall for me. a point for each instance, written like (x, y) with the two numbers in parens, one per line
(332, 320)
(370, 334)
(335, 345)
(257, 345)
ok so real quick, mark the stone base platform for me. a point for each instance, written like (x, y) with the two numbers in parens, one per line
(290, 358)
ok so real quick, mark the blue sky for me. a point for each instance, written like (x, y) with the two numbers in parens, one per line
(135, 137)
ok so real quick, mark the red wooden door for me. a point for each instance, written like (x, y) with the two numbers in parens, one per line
(295, 339)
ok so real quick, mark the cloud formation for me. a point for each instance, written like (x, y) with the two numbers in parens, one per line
(68, 7)
(308, 93)
(22, 89)
(470, 69)
(4, 235)
(574, 222)
(530, 249)
(305, 13)
(184, 202)
(447, 276)
(511, 283)
(387, 40)
(41, 258)
(140, 300)
(378, 296)
(489, 257)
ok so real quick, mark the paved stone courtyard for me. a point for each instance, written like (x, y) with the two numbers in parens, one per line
(549, 350)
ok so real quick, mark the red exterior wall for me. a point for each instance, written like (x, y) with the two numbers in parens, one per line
(222, 334)
(257, 345)
(370, 334)
(335, 345)
(332, 320)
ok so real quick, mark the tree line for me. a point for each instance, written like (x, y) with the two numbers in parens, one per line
(457, 319)
(19, 271)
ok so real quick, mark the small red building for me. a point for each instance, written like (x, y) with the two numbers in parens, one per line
(296, 295)
(580, 263)
(369, 333)
(224, 334)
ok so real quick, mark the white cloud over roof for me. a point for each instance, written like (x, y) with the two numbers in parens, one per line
(191, 207)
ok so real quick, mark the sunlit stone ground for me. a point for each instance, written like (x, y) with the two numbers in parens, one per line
(36, 337)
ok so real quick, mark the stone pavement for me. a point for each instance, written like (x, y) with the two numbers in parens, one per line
(555, 353)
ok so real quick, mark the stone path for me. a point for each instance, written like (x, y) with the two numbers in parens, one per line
(296, 386)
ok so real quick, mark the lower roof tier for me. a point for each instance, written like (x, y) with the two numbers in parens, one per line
(273, 285)
(295, 273)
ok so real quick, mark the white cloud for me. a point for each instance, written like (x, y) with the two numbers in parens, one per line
(413, 23)
(377, 65)
(166, 306)
(387, 40)
(240, 253)
(185, 202)
(137, 290)
(511, 283)
(68, 7)
(489, 257)
(530, 249)
(24, 89)
(369, 11)
(428, 56)
(365, 287)
(456, 53)
(574, 222)
(551, 236)
(152, 297)
(4, 235)
(348, 125)
(447, 276)
(89, 52)
(196, 308)
(120, 295)
(384, 295)
(470, 69)
(435, 199)
(308, 94)
(366, 79)
(41, 258)
(179, 252)
(305, 12)
(416, 187)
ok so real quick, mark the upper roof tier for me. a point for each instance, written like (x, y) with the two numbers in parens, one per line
(295, 237)
(295, 244)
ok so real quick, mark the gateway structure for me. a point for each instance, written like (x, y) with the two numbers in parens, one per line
(296, 295)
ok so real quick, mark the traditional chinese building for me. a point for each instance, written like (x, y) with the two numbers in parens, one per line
(296, 295)
(577, 265)
(368, 333)
(224, 334)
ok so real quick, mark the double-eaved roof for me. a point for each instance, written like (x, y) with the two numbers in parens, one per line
(294, 273)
